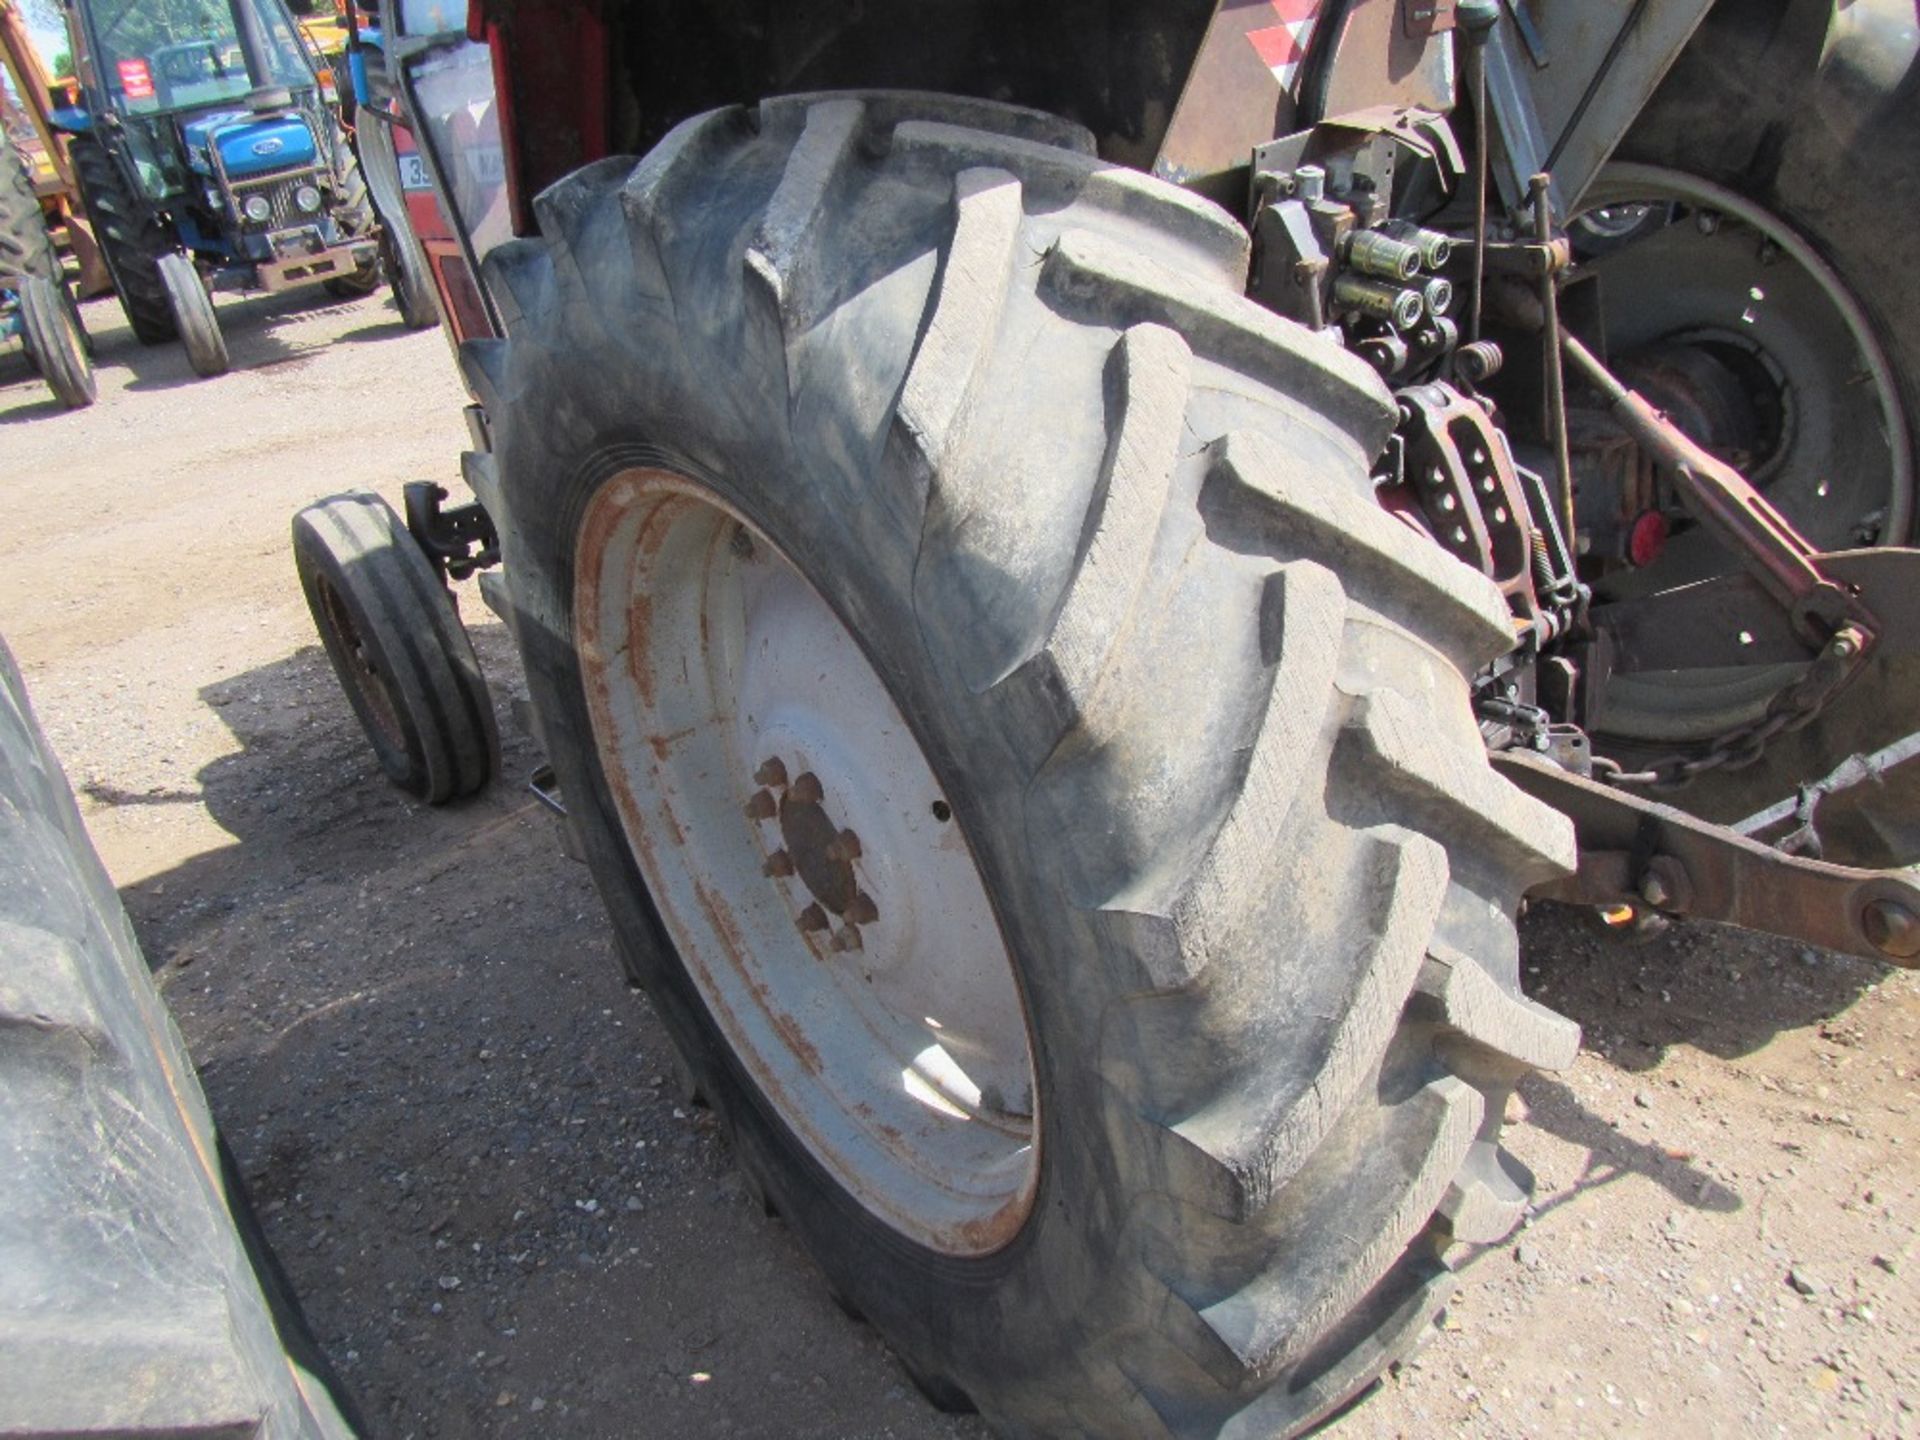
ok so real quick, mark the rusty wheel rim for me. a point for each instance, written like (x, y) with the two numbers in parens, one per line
(807, 863)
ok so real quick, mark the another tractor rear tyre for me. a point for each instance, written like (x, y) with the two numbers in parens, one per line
(132, 241)
(353, 211)
(194, 316)
(51, 333)
(397, 646)
(131, 1306)
(899, 438)
(25, 246)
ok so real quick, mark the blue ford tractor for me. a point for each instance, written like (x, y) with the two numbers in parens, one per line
(210, 157)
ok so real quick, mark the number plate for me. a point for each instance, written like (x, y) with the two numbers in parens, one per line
(413, 172)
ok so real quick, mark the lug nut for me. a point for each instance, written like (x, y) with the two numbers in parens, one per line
(762, 806)
(847, 937)
(812, 920)
(845, 847)
(779, 865)
(1893, 929)
(773, 772)
(863, 911)
(806, 789)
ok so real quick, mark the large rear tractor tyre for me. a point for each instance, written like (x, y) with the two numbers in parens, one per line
(194, 316)
(25, 246)
(51, 333)
(140, 1298)
(890, 465)
(397, 646)
(353, 211)
(1776, 262)
(132, 241)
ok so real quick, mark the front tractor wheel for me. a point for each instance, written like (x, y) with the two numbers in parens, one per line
(1034, 781)
(194, 318)
(397, 646)
(50, 331)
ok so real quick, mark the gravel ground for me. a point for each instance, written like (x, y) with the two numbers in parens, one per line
(466, 1135)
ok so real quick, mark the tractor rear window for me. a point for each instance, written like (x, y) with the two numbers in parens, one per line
(179, 54)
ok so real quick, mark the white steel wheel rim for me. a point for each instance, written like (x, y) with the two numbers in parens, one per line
(743, 734)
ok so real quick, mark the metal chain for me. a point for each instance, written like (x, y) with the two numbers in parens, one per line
(1792, 708)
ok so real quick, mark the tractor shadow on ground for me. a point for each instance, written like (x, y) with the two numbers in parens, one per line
(1724, 991)
(388, 327)
(306, 802)
(413, 1033)
(261, 331)
(38, 404)
(33, 404)
(250, 329)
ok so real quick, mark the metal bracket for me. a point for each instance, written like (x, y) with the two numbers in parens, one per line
(1638, 852)
(448, 536)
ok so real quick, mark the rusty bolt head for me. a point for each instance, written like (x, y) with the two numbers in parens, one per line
(772, 772)
(1893, 929)
(863, 911)
(806, 788)
(845, 846)
(813, 920)
(762, 806)
(847, 937)
(779, 865)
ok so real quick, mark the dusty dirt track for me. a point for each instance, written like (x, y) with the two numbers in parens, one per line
(464, 1131)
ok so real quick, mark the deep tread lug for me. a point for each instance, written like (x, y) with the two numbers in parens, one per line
(963, 317)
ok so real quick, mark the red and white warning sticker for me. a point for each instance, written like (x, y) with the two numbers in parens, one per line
(1283, 46)
(136, 81)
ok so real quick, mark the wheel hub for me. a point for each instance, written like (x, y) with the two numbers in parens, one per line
(811, 871)
(1732, 322)
(813, 851)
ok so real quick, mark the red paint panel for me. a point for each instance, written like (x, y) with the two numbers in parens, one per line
(1276, 46)
(1292, 12)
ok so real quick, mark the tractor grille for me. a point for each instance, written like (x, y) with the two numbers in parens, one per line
(278, 188)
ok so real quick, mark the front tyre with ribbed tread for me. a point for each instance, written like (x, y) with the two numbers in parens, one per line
(397, 646)
(50, 330)
(194, 317)
(1104, 529)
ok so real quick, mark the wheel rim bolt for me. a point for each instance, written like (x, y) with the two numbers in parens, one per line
(846, 938)
(863, 911)
(762, 806)
(806, 789)
(779, 865)
(847, 847)
(772, 772)
(813, 920)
